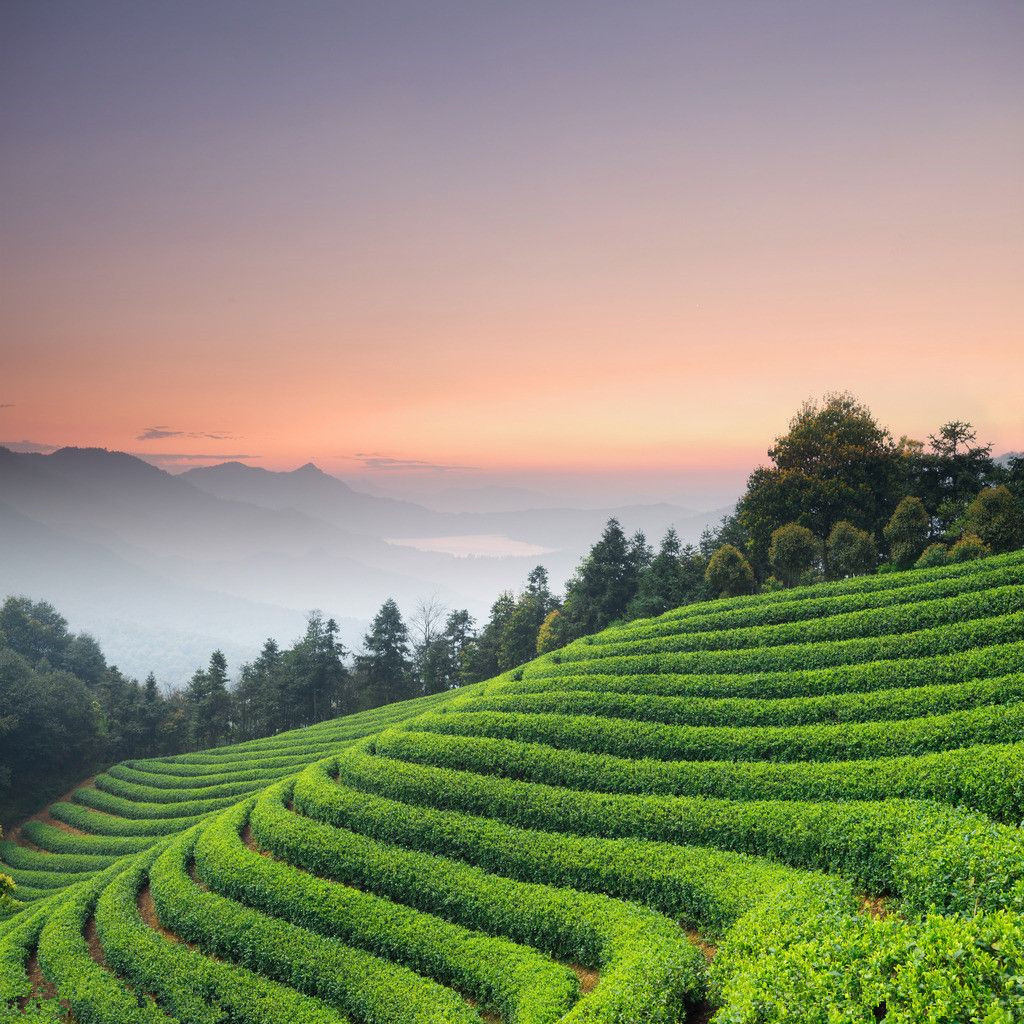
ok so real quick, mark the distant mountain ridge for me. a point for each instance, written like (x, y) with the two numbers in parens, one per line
(232, 553)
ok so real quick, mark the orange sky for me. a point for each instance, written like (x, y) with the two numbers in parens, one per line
(638, 242)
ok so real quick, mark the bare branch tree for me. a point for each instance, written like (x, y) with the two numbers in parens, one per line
(427, 621)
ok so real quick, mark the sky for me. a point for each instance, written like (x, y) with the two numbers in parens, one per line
(529, 242)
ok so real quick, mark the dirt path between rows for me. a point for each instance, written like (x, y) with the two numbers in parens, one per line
(44, 816)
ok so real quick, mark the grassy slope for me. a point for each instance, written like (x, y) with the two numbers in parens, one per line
(825, 784)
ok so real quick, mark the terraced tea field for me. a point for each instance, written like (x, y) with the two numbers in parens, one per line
(800, 806)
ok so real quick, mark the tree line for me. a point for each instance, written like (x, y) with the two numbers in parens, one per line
(842, 497)
(64, 712)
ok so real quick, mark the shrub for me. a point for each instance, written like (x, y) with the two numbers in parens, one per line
(520, 982)
(794, 553)
(648, 969)
(729, 573)
(997, 518)
(906, 533)
(850, 551)
(933, 555)
(354, 981)
(968, 548)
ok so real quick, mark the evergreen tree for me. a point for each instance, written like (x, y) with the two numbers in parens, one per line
(604, 583)
(260, 696)
(538, 589)
(152, 715)
(316, 679)
(482, 656)
(385, 667)
(442, 662)
(518, 641)
(209, 704)
(668, 581)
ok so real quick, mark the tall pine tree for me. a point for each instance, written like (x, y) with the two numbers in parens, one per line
(385, 668)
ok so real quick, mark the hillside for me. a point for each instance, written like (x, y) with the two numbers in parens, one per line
(801, 806)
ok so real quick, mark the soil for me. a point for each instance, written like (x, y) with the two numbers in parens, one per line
(588, 978)
(15, 835)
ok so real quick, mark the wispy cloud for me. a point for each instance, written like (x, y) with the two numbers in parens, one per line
(6, 405)
(373, 460)
(186, 459)
(29, 447)
(159, 433)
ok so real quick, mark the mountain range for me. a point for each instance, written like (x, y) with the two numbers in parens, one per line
(162, 568)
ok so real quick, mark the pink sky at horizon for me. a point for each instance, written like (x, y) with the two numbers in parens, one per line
(628, 245)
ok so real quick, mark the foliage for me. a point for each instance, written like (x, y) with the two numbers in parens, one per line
(951, 472)
(674, 577)
(547, 635)
(850, 551)
(729, 574)
(933, 555)
(749, 768)
(996, 517)
(835, 463)
(606, 581)
(384, 670)
(906, 532)
(209, 704)
(7, 885)
(794, 554)
(968, 548)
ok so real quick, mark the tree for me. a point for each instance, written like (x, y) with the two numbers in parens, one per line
(428, 656)
(547, 635)
(209, 703)
(517, 643)
(967, 548)
(794, 553)
(441, 653)
(538, 589)
(152, 714)
(458, 637)
(56, 730)
(997, 517)
(482, 655)
(664, 583)
(604, 583)
(386, 667)
(1012, 476)
(849, 551)
(835, 463)
(316, 679)
(958, 466)
(934, 555)
(906, 533)
(261, 706)
(729, 574)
